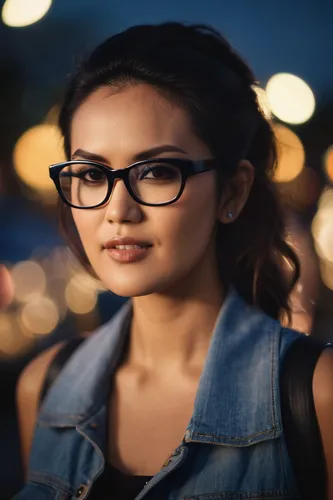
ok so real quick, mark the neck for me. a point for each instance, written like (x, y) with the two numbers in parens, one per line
(172, 331)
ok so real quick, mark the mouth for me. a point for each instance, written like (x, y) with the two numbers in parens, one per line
(128, 253)
(127, 250)
(126, 243)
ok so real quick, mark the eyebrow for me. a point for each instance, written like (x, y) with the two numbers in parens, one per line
(143, 155)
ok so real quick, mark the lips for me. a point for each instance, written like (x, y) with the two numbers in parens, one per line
(127, 250)
(126, 243)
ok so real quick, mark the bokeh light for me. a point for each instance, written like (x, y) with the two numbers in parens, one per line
(263, 101)
(326, 200)
(59, 263)
(12, 341)
(81, 294)
(56, 292)
(29, 280)
(36, 149)
(39, 316)
(302, 192)
(322, 231)
(291, 155)
(290, 98)
(326, 271)
(328, 164)
(20, 13)
(325, 240)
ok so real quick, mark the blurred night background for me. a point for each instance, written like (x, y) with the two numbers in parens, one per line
(54, 299)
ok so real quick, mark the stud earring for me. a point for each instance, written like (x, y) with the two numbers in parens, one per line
(230, 215)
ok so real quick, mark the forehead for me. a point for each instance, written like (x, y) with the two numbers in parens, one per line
(133, 119)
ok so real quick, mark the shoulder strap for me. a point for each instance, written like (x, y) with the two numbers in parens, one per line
(299, 418)
(58, 363)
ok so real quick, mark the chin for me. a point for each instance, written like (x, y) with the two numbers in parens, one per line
(131, 286)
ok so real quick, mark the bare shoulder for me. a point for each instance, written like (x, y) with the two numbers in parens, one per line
(32, 377)
(28, 391)
(323, 398)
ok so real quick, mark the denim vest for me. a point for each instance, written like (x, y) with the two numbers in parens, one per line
(233, 447)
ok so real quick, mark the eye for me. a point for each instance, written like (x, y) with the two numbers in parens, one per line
(89, 175)
(159, 172)
(93, 175)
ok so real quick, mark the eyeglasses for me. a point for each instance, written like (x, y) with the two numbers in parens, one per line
(156, 182)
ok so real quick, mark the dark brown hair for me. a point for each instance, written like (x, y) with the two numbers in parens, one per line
(197, 69)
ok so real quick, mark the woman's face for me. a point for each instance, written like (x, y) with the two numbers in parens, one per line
(117, 126)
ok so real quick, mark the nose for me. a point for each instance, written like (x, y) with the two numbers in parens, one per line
(121, 207)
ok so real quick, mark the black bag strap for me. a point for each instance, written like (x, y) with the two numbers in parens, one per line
(58, 362)
(299, 418)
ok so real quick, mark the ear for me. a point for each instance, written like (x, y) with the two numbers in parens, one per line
(236, 193)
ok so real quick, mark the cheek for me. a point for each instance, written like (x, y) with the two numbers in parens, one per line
(87, 222)
(188, 224)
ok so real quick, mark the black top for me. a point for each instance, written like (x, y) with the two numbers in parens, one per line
(113, 484)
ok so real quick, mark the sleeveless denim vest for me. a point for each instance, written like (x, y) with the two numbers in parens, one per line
(233, 447)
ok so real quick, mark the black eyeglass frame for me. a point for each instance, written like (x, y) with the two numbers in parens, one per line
(186, 167)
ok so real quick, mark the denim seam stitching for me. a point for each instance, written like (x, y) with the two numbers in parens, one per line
(237, 438)
(81, 418)
(51, 480)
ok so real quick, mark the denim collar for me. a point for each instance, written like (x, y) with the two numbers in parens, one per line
(236, 402)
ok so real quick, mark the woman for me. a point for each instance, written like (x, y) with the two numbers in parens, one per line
(167, 198)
